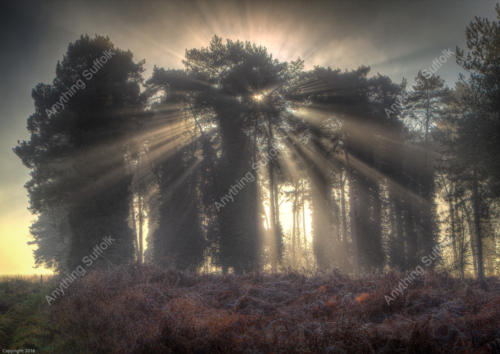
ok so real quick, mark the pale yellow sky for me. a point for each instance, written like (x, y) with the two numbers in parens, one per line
(16, 256)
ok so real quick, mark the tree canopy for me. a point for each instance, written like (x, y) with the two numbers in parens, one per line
(242, 162)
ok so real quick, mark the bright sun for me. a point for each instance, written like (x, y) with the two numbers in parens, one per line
(258, 97)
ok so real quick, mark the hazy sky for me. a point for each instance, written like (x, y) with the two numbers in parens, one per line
(395, 38)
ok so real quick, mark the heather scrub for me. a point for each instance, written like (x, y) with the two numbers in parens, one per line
(141, 309)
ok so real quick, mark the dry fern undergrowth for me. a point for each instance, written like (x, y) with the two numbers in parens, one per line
(143, 309)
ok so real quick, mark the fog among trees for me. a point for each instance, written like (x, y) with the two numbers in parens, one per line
(240, 162)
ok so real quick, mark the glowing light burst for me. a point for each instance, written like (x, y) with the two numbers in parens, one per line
(258, 97)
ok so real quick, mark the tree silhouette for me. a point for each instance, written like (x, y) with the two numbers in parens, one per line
(76, 149)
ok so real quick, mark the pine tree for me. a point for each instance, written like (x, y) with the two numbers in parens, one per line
(79, 134)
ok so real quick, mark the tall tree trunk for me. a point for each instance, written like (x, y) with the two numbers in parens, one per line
(398, 258)
(272, 217)
(452, 212)
(297, 215)
(273, 201)
(278, 230)
(376, 249)
(353, 211)
(141, 227)
(134, 228)
(477, 226)
(304, 215)
(426, 133)
(343, 209)
(238, 222)
(294, 216)
(412, 244)
(320, 200)
(453, 232)
(470, 223)
(461, 249)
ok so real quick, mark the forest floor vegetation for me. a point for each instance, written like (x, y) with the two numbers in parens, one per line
(144, 309)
